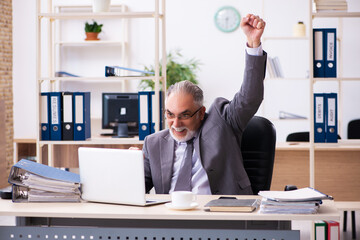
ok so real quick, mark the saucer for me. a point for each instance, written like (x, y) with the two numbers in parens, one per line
(192, 206)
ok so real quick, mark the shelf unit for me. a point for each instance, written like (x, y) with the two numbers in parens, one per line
(267, 39)
(313, 146)
(53, 15)
(24, 148)
(62, 10)
(282, 38)
(346, 145)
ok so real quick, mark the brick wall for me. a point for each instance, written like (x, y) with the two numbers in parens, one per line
(6, 97)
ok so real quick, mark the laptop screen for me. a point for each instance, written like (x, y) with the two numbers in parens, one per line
(112, 175)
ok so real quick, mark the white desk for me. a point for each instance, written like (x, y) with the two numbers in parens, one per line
(147, 217)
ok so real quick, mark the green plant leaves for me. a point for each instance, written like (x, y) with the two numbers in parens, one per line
(175, 71)
(95, 27)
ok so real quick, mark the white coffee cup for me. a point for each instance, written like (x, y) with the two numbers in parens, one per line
(182, 199)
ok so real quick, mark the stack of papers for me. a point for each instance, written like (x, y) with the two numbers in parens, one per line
(332, 5)
(301, 201)
(35, 182)
(299, 207)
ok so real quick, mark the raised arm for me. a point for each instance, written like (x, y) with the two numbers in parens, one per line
(245, 103)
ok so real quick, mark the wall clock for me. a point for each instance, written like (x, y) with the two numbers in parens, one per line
(227, 19)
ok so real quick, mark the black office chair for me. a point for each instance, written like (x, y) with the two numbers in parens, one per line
(353, 130)
(300, 137)
(258, 151)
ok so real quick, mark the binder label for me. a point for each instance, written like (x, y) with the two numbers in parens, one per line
(319, 114)
(143, 109)
(54, 110)
(45, 116)
(318, 45)
(331, 112)
(44, 109)
(67, 101)
(334, 232)
(320, 232)
(79, 118)
(330, 46)
(331, 118)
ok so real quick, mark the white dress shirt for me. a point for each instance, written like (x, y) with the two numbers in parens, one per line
(199, 179)
(254, 51)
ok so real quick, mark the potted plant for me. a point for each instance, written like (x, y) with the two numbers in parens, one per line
(101, 5)
(92, 30)
(175, 71)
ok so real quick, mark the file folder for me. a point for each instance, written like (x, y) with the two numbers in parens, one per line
(318, 52)
(333, 230)
(82, 121)
(330, 52)
(319, 117)
(144, 114)
(320, 230)
(331, 118)
(67, 116)
(26, 194)
(55, 116)
(111, 71)
(161, 110)
(18, 170)
(43, 183)
(44, 116)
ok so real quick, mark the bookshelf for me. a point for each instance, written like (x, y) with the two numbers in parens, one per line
(311, 17)
(50, 40)
(24, 148)
(338, 15)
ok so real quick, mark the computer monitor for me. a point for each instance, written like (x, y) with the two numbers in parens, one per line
(120, 113)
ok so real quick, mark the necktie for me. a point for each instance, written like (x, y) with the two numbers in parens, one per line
(183, 182)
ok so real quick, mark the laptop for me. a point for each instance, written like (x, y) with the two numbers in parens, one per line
(113, 176)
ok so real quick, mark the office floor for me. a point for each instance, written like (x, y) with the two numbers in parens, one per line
(303, 226)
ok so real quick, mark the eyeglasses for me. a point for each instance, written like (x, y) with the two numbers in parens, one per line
(182, 116)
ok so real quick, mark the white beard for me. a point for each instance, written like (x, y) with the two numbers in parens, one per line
(189, 134)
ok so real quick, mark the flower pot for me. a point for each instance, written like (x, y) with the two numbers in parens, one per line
(90, 36)
(101, 5)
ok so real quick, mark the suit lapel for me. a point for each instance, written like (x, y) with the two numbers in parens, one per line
(167, 159)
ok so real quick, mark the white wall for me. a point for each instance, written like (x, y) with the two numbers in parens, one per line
(190, 27)
(24, 69)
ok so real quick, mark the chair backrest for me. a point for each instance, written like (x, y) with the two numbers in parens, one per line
(258, 151)
(354, 129)
(300, 137)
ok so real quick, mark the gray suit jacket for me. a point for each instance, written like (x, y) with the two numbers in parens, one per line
(219, 141)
